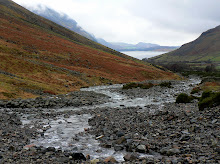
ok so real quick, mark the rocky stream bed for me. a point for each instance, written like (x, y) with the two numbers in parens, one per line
(106, 124)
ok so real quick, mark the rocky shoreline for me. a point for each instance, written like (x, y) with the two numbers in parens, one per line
(166, 133)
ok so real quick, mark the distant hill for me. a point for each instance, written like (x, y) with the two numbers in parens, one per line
(120, 46)
(203, 50)
(62, 19)
(38, 56)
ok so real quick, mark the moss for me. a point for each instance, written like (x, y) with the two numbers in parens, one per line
(183, 98)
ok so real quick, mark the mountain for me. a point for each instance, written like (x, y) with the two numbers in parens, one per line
(65, 21)
(104, 42)
(141, 46)
(61, 19)
(146, 45)
(40, 57)
(203, 50)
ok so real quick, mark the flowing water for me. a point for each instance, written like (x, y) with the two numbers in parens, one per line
(67, 132)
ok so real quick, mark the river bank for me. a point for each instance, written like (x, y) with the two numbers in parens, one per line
(136, 125)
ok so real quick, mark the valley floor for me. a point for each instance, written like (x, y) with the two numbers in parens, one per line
(108, 124)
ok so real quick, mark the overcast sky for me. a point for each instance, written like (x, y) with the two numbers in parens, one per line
(164, 22)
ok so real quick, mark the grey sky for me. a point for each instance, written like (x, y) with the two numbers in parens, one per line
(164, 22)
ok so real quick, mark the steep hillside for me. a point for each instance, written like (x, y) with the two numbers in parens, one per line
(63, 20)
(39, 57)
(205, 49)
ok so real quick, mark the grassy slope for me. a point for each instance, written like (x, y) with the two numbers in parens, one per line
(38, 56)
(205, 48)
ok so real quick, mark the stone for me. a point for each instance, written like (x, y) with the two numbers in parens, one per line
(110, 160)
(173, 151)
(141, 149)
(27, 147)
(52, 149)
(193, 120)
(214, 121)
(11, 148)
(1, 157)
(88, 156)
(120, 134)
(217, 150)
(63, 160)
(78, 156)
(121, 140)
(118, 147)
(214, 142)
(94, 161)
(106, 145)
(169, 151)
(99, 137)
(185, 138)
(130, 157)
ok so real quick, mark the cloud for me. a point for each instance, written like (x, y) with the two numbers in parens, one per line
(170, 22)
(188, 16)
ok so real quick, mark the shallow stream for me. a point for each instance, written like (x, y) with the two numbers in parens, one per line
(68, 133)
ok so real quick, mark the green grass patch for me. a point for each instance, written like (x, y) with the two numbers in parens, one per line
(209, 99)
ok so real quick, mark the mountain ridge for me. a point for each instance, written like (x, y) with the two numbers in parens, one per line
(204, 50)
(141, 46)
(65, 21)
(62, 19)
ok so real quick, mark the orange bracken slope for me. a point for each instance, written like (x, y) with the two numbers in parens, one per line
(38, 56)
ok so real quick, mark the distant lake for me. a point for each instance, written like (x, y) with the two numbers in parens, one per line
(143, 54)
